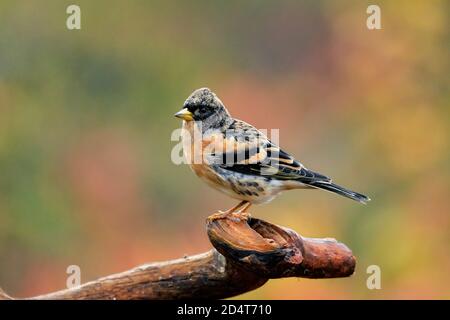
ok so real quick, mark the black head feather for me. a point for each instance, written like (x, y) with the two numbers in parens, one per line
(207, 108)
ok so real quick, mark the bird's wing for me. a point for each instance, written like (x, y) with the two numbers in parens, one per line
(244, 149)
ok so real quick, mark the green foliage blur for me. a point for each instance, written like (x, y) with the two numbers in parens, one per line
(86, 118)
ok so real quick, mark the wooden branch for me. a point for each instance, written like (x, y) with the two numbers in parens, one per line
(248, 252)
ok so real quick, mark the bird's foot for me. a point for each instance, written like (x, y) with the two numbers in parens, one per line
(243, 215)
(229, 215)
(233, 213)
(218, 215)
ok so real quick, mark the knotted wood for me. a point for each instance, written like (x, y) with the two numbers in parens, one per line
(247, 253)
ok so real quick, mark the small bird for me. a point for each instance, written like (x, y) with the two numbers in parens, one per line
(234, 157)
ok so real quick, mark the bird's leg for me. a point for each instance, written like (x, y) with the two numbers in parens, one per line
(224, 214)
(245, 207)
(243, 211)
(238, 206)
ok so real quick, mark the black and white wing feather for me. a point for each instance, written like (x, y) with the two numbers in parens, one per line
(248, 151)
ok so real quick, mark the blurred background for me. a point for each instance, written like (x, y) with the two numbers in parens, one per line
(86, 176)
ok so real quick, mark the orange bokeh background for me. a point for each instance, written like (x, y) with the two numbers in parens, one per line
(86, 118)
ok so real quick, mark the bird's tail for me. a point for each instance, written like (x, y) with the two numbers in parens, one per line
(329, 186)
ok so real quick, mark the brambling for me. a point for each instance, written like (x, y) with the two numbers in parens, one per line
(234, 157)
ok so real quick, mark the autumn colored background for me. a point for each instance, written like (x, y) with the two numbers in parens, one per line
(86, 116)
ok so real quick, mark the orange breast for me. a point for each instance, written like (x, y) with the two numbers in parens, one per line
(193, 146)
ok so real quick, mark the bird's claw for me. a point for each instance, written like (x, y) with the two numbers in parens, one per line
(218, 215)
(230, 215)
(244, 215)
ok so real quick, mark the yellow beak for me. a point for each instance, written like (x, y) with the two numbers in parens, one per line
(184, 114)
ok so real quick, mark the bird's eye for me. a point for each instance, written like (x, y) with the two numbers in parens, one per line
(202, 110)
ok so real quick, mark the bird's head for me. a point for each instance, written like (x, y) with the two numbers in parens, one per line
(203, 105)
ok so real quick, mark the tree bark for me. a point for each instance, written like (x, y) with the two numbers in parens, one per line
(248, 252)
